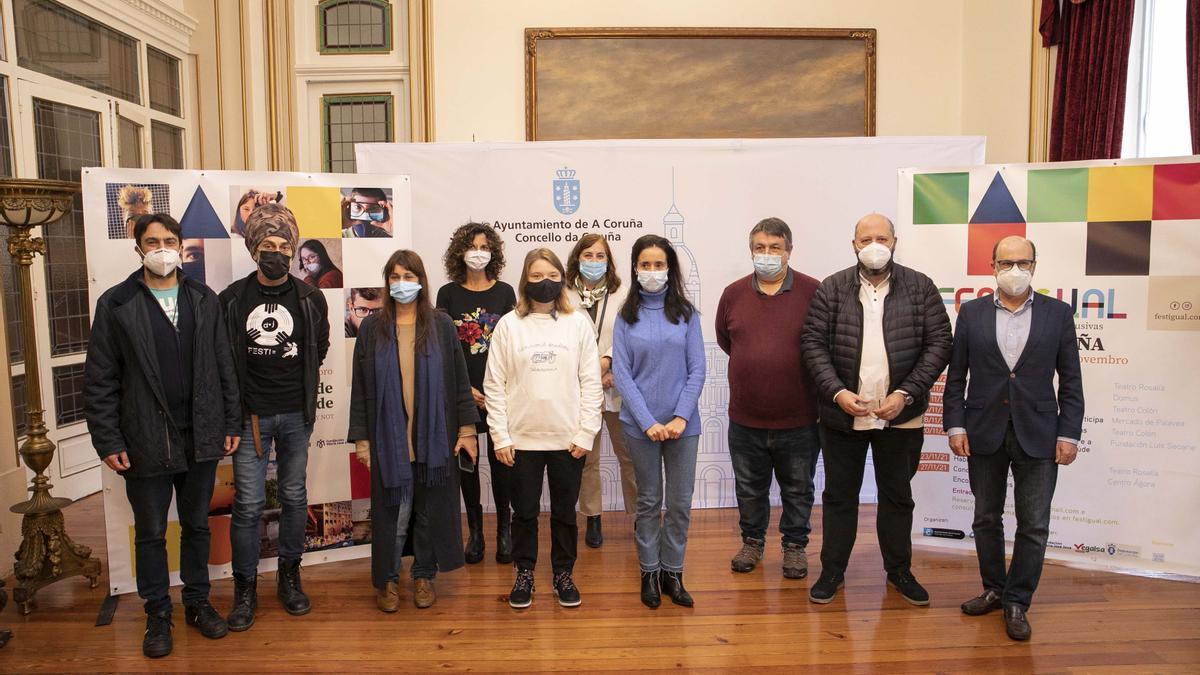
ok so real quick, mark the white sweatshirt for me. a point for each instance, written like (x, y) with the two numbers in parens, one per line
(543, 382)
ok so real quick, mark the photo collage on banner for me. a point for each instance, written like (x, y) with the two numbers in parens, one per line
(1118, 242)
(348, 225)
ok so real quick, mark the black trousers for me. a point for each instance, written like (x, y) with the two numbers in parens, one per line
(501, 475)
(895, 454)
(150, 498)
(564, 473)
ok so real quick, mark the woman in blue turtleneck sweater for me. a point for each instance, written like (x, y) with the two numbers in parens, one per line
(658, 366)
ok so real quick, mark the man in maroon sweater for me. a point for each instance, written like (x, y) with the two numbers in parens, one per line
(772, 408)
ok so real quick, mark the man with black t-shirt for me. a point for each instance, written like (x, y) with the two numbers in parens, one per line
(279, 331)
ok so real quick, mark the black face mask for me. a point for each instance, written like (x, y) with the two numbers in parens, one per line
(194, 269)
(546, 290)
(273, 264)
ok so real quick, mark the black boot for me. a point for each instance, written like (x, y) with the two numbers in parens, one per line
(594, 537)
(204, 616)
(157, 641)
(650, 595)
(672, 586)
(245, 602)
(288, 588)
(504, 544)
(473, 551)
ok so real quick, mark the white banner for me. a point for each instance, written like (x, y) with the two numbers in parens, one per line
(704, 196)
(211, 206)
(1119, 241)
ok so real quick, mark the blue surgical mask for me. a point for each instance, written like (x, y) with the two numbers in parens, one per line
(768, 266)
(404, 292)
(593, 270)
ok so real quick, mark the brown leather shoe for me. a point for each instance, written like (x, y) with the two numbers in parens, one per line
(388, 599)
(978, 606)
(1015, 623)
(423, 595)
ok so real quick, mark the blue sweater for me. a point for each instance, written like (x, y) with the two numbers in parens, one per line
(658, 367)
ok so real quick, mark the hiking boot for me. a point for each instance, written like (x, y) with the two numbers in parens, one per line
(521, 595)
(565, 590)
(795, 561)
(289, 590)
(747, 558)
(245, 602)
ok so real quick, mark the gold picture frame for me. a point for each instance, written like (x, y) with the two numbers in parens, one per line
(591, 83)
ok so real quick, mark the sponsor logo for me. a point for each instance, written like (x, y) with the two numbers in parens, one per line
(943, 533)
(566, 191)
(1086, 303)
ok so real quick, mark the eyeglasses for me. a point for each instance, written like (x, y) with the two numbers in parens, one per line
(364, 312)
(359, 208)
(1006, 265)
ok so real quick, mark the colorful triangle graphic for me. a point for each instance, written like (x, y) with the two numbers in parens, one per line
(997, 205)
(200, 220)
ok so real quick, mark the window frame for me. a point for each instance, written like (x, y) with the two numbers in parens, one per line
(329, 99)
(388, 37)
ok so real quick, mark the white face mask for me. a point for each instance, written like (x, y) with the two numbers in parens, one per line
(161, 262)
(1014, 281)
(313, 268)
(652, 282)
(875, 256)
(477, 260)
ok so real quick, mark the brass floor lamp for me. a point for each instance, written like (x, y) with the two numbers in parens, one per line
(47, 554)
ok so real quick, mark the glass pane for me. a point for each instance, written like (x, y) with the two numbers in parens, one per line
(68, 393)
(62, 43)
(6, 161)
(18, 398)
(68, 139)
(129, 144)
(166, 143)
(163, 76)
(352, 25)
(350, 120)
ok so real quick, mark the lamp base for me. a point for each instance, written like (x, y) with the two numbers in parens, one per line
(48, 555)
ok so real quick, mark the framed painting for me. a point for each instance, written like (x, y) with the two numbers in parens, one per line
(594, 83)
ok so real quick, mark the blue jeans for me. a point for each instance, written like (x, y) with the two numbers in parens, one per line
(662, 540)
(289, 434)
(149, 499)
(792, 455)
(1034, 479)
(387, 556)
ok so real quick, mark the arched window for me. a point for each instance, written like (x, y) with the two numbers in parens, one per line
(354, 26)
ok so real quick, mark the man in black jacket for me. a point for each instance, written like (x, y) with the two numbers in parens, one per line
(161, 402)
(876, 339)
(279, 332)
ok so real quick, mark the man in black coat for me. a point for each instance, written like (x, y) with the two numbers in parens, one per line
(1008, 347)
(162, 406)
(876, 339)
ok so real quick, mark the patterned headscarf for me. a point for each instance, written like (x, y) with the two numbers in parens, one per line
(271, 220)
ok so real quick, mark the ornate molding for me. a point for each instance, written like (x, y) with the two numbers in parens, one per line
(163, 13)
(531, 38)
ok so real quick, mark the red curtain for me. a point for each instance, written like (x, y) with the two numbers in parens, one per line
(1093, 39)
(1193, 71)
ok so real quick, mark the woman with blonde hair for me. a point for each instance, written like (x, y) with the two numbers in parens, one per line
(543, 393)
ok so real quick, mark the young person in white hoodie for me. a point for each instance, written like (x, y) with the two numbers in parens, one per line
(544, 396)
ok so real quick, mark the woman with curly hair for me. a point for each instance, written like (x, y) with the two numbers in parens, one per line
(475, 299)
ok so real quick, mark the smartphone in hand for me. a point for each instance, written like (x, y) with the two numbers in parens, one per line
(465, 463)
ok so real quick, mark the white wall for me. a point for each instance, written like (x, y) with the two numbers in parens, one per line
(924, 73)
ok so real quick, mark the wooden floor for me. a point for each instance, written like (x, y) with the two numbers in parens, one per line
(1083, 621)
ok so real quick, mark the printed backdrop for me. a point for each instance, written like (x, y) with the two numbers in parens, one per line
(704, 196)
(1118, 241)
(211, 206)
